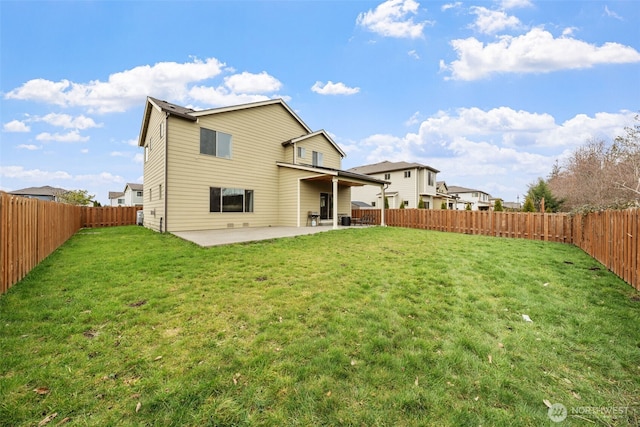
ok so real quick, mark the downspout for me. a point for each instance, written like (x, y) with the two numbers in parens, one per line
(166, 168)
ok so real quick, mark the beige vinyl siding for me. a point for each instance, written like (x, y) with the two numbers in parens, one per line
(344, 200)
(288, 154)
(331, 157)
(154, 172)
(257, 136)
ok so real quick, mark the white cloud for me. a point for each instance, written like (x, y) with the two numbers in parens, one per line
(73, 136)
(448, 6)
(20, 172)
(16, 126)
(221, 96)
(567, 32)
(118, 154)
(534, 52)
(132, 142)
(413, 54)
(414, 119)
(393, 19)
(492, 21)
(138, 158)
(30, 147)
(84, 151)
(512, 4)
(68, 122)
(122, 90)
(612, 14)
(252, 83)
(331, 88)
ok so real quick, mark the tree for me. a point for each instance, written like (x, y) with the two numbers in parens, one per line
(626, 153)
(443, 206)
(539, 191)
(401, 204)
(76, 197)
(386, 203)
(497, 206)
(601, 174)
(528, 205)
(421, 203)
(467, 207)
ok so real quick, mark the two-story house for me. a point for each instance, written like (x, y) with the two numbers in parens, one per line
(250, 165)
(443, 199)
(133, 195)
(477, 199)
(409, 183)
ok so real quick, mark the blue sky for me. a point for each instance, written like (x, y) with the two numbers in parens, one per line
(491, 93)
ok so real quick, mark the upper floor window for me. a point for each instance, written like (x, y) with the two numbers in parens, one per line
(474, 194)
(317, 159)
(301, 152)
(407, 174)
(215, 143)
(121, 201)
(387, 176)
(146, 153)
(430, 177)
(161, 129)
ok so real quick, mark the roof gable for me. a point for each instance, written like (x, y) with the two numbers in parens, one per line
(316, 133)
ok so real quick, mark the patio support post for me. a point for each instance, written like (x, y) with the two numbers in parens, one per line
(334, 180)
(382, 224)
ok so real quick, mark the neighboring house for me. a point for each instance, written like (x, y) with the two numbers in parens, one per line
(251, 165)
(409, 182)
(479, 200)
(131, 196)
(443, 196)
(514, 206)
(116, 198)
(42, 193)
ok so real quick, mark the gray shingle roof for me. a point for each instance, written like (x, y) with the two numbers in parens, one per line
(387, 166)
(46, 190)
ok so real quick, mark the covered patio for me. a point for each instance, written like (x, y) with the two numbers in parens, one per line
(337, 183)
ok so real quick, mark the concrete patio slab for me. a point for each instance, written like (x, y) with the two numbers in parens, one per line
(206, 238)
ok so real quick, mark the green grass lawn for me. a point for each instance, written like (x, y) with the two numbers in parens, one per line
(372, 327)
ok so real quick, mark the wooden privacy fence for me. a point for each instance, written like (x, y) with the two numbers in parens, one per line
(611, 237)
(31, 229)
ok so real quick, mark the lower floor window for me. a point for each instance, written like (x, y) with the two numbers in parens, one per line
(230, 200)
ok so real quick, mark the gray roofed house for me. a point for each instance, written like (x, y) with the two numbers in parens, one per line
(42, 193)
(478, 199)
(410, 184)
(131, 196)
